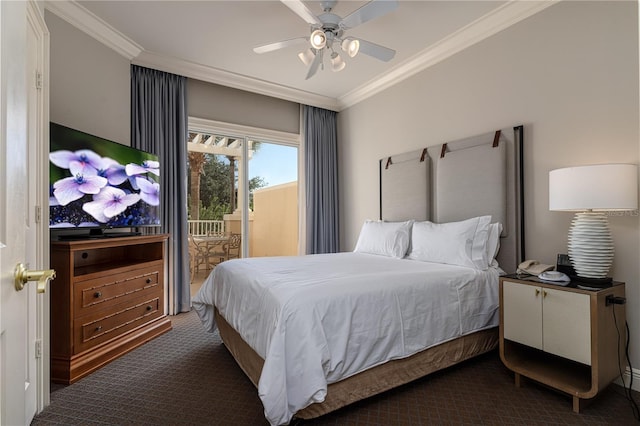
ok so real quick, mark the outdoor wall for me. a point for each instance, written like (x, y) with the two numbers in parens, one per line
(275, 221)
(569, 74)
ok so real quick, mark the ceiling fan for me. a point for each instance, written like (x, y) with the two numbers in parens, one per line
(328, 34)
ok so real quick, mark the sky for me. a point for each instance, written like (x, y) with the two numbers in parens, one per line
(276, 164)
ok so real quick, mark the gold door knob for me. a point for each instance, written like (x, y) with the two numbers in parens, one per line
(22, 276)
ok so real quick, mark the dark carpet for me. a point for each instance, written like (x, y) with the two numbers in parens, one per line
(187, 377)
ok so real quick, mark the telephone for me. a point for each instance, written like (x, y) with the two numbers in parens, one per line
(533, 267)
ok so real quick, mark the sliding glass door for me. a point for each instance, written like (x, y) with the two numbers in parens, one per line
(273, 199)
(243, 192)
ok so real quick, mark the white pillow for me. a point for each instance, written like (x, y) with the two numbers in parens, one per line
(456, 243)
(384, 238)
(493, 242)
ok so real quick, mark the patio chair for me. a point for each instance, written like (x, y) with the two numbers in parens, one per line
(216, 252)
(196, 256)
(232, 246)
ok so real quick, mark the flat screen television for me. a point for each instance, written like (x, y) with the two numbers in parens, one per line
(98, 184)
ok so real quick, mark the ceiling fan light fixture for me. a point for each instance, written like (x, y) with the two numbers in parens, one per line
(351, 46)
(318, 39)
(307, 56)
(337, 63)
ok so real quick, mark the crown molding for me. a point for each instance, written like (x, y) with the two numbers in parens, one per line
(484, 27)
(237, 81)
(87, 22)
(493, 22)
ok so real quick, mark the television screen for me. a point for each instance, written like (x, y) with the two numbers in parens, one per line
(97, 183)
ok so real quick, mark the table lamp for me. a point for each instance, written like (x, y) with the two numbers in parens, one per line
(592, 191)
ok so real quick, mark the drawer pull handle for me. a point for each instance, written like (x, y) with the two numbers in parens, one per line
(149, 307)
(148, 280)
(537, 291)
(97, 294)
(98, 328)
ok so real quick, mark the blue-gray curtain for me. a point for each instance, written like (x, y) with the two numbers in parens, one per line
(159, 125)
(321, 168)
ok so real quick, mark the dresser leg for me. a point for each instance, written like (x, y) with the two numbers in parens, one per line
(576, 405)
(518, 380)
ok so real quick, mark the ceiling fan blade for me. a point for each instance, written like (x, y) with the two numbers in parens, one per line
(280, 45)
(315, 65)
(369, 11)
(302, 11)
(375, 50)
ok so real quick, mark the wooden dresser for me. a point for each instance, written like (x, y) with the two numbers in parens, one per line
(108, 299)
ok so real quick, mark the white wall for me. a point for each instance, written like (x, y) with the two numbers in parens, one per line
(90, 84)
(568, 74)
(229, 105)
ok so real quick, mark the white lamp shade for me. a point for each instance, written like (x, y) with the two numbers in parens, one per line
(351, 46)
(307, 56)
(597, 187)
(337, 63)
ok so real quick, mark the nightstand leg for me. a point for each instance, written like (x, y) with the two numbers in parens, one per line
(518, 380)
(576, 405)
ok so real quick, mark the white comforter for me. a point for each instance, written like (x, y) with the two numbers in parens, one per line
(318, 319)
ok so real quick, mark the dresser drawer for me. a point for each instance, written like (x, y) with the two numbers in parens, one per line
(91, 330)
(105, 292)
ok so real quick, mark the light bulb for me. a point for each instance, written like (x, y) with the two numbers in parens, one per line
(318, 39)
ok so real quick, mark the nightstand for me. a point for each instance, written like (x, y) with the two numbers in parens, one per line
(563, 337)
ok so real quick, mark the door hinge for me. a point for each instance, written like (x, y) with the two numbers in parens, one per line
(38, 80)
(38, 348)
(38, 215)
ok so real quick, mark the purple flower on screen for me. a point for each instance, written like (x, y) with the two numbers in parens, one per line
(112, 170)
(146, 166)
(109, 202)
(73, 188)
(149, 191)
(84, 161)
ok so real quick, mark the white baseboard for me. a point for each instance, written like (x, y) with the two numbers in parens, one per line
(627, 379)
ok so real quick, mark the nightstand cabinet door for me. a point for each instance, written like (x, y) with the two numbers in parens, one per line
(566, 324)
(522, 306)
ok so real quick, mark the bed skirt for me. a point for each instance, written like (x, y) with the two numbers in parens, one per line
(374, 380)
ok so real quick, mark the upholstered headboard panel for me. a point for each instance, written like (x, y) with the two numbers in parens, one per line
(402, 201)
(476, 176)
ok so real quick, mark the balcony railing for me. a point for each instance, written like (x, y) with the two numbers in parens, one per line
(206, 227)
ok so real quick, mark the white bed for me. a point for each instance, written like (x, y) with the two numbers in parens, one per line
(352, 310)
(415, 296)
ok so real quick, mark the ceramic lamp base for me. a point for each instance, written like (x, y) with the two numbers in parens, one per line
(590, 246)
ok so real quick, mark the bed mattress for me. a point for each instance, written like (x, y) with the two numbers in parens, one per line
(320, 319)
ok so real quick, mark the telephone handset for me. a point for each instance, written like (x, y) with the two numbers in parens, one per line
(544, 272)
(533, 267)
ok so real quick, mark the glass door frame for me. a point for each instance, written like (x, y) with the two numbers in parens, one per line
(245, 134)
